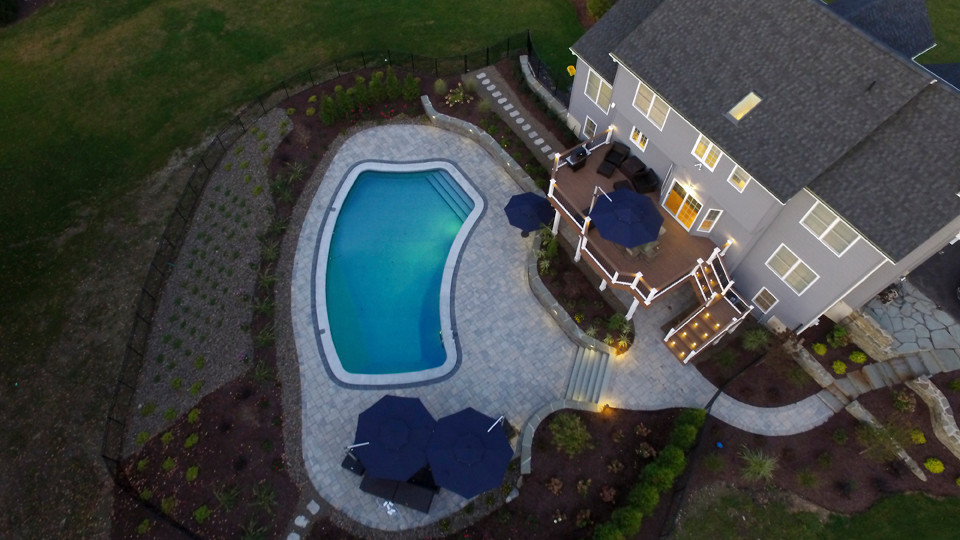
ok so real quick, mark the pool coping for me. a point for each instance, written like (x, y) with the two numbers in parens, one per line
(451, 345)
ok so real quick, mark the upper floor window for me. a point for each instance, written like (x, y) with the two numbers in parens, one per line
(829, 228)
(651, 105)
(638, 139)
(599, 91)
(791, 269)
(707, 152)
(739, 178)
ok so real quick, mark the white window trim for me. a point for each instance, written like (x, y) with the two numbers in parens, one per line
(646, 113)
(730, 178)
(706, 152)
(584, 130)
(639, 137)
(783, 278)
(595, 99)
(775, 300)
(829, 228)
(689, 194)
(715, 220)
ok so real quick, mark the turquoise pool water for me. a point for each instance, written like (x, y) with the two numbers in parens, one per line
(385, 265)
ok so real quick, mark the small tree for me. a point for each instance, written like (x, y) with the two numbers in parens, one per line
(360, 91)
(394, 90)
(411, 87)
(328, 112)
(570, 434)
(377, 92)
(882, 443)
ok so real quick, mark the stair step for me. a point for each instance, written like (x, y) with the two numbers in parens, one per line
(874, 377)
(586, 392)
(830, 400)
(901, 368)
(574, 372)
(859, 382)
(605, 380)
(888, 374)
(916, 366)
(444, 193)
(948, 359)
(930, 362)
(847, 388)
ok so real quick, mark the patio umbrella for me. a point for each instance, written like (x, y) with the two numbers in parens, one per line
(392, 437)
(469, 453)
(627, 218)
(528, 211)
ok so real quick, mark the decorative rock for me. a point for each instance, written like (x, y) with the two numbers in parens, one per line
(300, 521)
(546, 149)
(943, 340)
(521, 120)
(313, 507)
(533, 134)
(492, 87)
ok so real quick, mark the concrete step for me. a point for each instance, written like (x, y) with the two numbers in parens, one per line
(874, 378)
(575, 373)
(916, 366)
(888, 374)
(583, 391)
(605, 380)
(859, 381)
(901, 368)
(830, 400)
(847, 388)
(948, 359)
(930, 362)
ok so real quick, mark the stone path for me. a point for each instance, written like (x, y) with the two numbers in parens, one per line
(915, 322)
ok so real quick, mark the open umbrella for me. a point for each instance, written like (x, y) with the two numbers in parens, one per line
(469, 453)
(627, 218)
(528, 211)
(392, 437)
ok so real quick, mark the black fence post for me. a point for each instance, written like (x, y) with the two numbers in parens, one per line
(363, 60)
(389, 58)
(336, 66)
(465, 68)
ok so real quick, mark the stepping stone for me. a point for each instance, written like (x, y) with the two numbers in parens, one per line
(525, 127)
(514, 114)
(313, 507)
(301, 521)
(485, 81)
(497, 94)
(533, 134)
(293, 536)
(546, 149)
(492, 87)
(520, 120)
(502, 100)
(482, 75)
(508, 106)
(538, 142)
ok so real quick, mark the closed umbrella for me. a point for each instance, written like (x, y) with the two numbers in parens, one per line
(392, 437)
(469, 453)
(627, 218)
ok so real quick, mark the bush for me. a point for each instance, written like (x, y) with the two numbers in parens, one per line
(597, 8)
(756, 339)
(377, 92)
(673, 458)
(628, 520)
(570, 435)
(840, 436)
(839, 367)
(819, 349)
(394, 90)
(904, 401)
(684, 436)
(645, 497)
(658, 476)
(201, 514)
(192, 473)
(933, 465)
(757, 465)
(360, 91)
(917, 437)
(608, 531)
(691, 417)
(858, 357)
(838, 337)
(328, 112)
(954, 385)
(411, 87)
(440, 87)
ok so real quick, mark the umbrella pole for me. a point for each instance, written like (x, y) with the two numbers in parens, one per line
(352, 446)
(495, 424)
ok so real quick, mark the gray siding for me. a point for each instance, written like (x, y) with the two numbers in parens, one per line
(581, 106)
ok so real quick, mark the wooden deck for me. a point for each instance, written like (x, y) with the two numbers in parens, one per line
(679, 249)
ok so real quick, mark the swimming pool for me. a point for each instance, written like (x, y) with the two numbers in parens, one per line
(391, 243)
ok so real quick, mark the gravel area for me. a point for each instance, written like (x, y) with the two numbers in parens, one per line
(200, 339)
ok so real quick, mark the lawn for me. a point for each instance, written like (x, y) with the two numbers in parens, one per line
(945, 17)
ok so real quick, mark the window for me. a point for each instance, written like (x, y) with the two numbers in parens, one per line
(764, 300)
(638, 139)
(739, 178)
(709, 220)
(745, 105)
(829, 228)
(791, 269)
(683, 205)
(651, 105)
(589, 128)
(707, 152)
(598, 91)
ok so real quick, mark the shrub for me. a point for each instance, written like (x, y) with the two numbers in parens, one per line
(597, 8)
(933, 465)
(394, 90)
(411, 87)
(484, 106)
(570, 435)
(440, 87)
(377, 92)
(883, 443)
(167, 437)
(191, 440)
(954, 385)
(328, 111)
(312, 99)
(684, 436)
(644, 497)
(837, 337)
(193, 416)
(673, 458)
(144, 526)
(756, 339)
(904, 401)
(341, 101)
(839, 367)
(361, 91)
(168, 463)
(143, 437)
(628, 520)
(757, 464)
(819, 349)
(192, 473)
(957, 481)
(858, 357)
(311, 111)
(201, 514)
(840, 436)
(146, 495)
(142, 464)
(608, 531)
(658, 476)
(168, 504)
(917, 437)
(691, 417)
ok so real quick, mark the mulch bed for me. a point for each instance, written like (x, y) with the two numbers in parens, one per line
(766, 379)
(818, 334)
(239, 446)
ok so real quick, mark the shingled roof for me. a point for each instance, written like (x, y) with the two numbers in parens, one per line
(899, 185)
(904, 25)
(595, 45)
(824, 88)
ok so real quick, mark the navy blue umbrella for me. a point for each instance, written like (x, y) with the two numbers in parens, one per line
(392, 437)
(469, 453)
(627, 218)
(528, 211)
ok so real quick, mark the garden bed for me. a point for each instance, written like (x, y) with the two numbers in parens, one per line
(832, 349)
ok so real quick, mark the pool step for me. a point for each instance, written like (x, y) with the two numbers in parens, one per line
(589, 376)
(451, 194)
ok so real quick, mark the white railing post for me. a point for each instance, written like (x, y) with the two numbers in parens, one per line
(556, 222)
(633, 308)
(583, 239)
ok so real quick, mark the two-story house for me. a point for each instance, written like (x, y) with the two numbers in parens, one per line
(803, 165)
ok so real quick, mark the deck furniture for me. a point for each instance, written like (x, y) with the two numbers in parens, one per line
(410, 495)
(615, 157)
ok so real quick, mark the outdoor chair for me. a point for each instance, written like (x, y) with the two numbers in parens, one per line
(352, 464)
(615, 157)
(640, 178)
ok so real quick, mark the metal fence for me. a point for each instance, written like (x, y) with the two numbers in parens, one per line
(176, 229)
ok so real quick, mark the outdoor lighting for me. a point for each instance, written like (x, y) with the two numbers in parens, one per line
(716, 325)
(684, 334)
(695, 324)
(706, 315)
(694, 346)
(672, 343)
(704, 335)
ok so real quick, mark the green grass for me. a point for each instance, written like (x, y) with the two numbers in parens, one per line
(901, 516)
(945, 18)
(97, 95)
